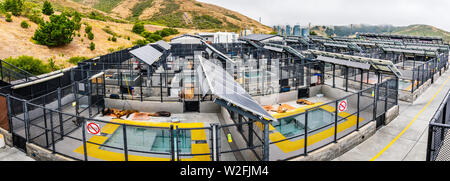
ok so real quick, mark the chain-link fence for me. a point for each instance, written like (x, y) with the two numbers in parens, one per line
(438, 148)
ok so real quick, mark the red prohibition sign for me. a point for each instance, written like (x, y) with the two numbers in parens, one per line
(342, 106)
(93, 128)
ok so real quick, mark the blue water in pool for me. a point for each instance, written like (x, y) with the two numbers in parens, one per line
(295, 125)
(150, 139)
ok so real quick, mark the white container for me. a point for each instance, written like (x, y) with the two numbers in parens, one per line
(2, 141)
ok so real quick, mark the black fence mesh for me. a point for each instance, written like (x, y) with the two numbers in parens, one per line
(438, 134)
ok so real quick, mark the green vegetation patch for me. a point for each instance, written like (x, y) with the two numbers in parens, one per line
(76, 60)
(106, 5)
(30, 64)
(58, 31)
(207, 22)
(140, 7)
(233, 16)
(168, 15)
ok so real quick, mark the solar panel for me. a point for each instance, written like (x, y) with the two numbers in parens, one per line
(223, 85)
(164, 45)
(147, 54)
(343, 62)
(204, 87)
(376, 64)
(228, 59)
(273, 48)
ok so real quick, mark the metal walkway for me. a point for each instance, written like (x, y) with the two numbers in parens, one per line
(405, 138)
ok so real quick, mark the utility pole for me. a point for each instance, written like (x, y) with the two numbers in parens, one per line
(351, 30)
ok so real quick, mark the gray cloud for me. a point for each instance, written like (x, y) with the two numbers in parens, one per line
(343, 12)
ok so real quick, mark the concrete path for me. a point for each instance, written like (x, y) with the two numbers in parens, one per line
(412, 144)
(13, 154)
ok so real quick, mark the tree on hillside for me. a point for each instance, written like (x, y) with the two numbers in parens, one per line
(77, 20)
(47, 9)
(138, 28)
(14, 6)
(58, 31)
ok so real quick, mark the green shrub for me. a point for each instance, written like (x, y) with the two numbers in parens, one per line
(114, 39)
(58, 31)
(151, 37)
(77, 20)
(88, 29)
(141, 42)
(92, 46)
(14, 6)
(76, 60)
(138, 28)
(24, 24)
(52, 65)
(29, 64)
(167, 32)
(90, 35)
(47, 8)
(8, 18)
(96, 16)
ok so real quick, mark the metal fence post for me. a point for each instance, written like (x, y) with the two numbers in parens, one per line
(335, 121)
(214, 142)
(306, 133)
(177, 141)
(250, 134)
(61, 123)
(125, 142)
(266, 141)
(89, 90)
(430, 142)
(346, 78)
(172, 143)
(52, 131)
(375, 100)
(45, 123)
(8, 102)
(357, 113)
(334, 75)
(76, 98)
(26, 120)
(83, 130)
(386, 97)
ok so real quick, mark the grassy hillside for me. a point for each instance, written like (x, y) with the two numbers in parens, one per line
(423, 30)
(176, 13)
(107, 23)
(416, 30)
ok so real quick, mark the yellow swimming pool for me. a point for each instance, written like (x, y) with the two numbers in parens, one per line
(195, 141)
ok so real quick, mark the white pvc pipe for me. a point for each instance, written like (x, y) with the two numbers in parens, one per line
(37, 81)
(97, 75)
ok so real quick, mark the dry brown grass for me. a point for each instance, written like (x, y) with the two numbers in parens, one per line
(16, 41)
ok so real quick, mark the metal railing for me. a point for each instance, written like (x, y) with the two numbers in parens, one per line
(438, 146)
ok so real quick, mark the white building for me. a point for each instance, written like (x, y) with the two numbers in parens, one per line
(187, 39)
(220, 37)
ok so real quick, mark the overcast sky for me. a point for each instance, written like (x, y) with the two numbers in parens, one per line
(343, 12)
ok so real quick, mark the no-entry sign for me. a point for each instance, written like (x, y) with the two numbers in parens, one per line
(342, 106)
(93, 128)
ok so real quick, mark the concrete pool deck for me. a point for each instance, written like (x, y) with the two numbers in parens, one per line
(405, 138)
(13, 154)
